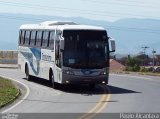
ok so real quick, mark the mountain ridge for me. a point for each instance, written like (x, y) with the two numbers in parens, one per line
(130, 34)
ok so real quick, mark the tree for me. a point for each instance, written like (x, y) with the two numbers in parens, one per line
(133, 64)
(144, 59)
(123, 60)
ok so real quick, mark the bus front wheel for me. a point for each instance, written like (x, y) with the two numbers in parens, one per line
(51, 79)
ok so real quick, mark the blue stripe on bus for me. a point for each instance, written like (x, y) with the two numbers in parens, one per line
(36, 52)
(29, 57)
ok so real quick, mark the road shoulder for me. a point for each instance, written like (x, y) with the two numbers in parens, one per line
(24, 92)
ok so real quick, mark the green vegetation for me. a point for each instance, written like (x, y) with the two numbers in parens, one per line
(143, 69)
(140, 63)
(150, 73)
(133, 64)
(8, 92)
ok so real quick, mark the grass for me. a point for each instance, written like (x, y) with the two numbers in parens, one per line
(150, 73)
(8, 92)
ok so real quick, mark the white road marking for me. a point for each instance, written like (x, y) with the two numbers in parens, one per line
(19, 102)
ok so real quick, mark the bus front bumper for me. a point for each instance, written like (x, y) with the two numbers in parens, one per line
(74, 79)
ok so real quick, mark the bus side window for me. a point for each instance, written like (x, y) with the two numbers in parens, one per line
(39, 38)
(27, 38)
(45, 39)
(22, 37)
(51, 40)
(33, 38)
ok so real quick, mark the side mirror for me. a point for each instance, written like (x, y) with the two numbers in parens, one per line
(61, 43)
(112, 45)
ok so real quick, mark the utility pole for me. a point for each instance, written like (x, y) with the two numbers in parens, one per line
(144, 51)
(153, 51)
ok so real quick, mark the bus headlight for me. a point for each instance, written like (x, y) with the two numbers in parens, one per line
(68, 72)
(104, 71)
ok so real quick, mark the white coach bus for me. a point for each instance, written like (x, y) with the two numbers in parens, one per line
(65, 52)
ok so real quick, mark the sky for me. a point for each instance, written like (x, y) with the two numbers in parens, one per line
(107, 10)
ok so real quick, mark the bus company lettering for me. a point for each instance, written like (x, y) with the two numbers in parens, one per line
(46, 57)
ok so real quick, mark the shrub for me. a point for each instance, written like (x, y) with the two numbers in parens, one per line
(143, 69)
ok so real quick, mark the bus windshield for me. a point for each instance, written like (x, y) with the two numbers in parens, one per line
(85, 49)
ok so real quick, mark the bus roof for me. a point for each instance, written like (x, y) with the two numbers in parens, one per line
(61, 25)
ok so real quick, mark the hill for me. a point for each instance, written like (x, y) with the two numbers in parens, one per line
(130, 34)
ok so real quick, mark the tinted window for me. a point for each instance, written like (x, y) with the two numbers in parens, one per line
(20, 33)
(39, 38)
(51, 40)
(33, 38)
(45, 39)
(22, 40)
(27, 38)
(85, 49)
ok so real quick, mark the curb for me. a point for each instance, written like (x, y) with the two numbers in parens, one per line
(23, 94)
(139, 73)
(12, 66)
(16, 96)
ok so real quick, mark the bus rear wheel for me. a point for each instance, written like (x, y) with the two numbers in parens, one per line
(28, 77)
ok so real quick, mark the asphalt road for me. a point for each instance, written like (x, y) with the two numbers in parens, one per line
(125, 93)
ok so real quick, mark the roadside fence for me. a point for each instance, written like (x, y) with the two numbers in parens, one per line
(8, 57)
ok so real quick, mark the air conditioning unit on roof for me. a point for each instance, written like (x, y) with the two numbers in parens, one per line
(51, 23)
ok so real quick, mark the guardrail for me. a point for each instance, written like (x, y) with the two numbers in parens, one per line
(8, 56)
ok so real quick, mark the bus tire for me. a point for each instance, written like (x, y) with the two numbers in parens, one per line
(51, 79)
(28, 77)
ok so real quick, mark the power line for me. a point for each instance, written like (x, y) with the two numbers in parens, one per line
(76, 10)
(58, 9)
(121, 3)
(128, 1)
(141, 2)
(20, 18)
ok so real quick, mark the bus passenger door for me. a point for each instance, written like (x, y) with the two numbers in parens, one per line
(58, 60)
